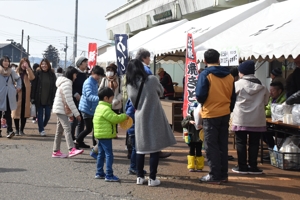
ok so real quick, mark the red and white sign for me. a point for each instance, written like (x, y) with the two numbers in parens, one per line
(92, 55)
(191, 75)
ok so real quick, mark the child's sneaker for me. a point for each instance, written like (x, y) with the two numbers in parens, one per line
(192, 170)
(100, 176)
(140, 181)
(75, 152)
(111, 178)
(153, 183)
(59, 154)
(93, 154)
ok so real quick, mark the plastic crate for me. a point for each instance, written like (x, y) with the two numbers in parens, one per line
(286, 161)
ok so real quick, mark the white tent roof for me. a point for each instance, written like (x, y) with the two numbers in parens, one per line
(140, 39)
(273, 32)
(203, 28)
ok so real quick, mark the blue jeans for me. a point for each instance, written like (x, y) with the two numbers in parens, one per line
(43, 121)
(133, 153)
(105, 152)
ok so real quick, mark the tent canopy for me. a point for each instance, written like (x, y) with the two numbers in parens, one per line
(202, 28)
(140, 39)
(271, 33)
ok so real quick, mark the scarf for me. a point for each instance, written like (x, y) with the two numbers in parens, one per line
(4, 72)
(112, 82)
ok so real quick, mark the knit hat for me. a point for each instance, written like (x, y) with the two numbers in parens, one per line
(276, 72)
(80, 60)
(192, 107)
(247, 67)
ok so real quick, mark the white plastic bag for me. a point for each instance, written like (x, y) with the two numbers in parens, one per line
(277, 112)
(197, 117)
(32, 110)
(296, 114)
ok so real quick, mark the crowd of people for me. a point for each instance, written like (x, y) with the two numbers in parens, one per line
(92, 102)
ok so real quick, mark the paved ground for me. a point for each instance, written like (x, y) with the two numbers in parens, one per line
(27, 171)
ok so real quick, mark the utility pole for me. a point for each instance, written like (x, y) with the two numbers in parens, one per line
(75, 32)
(66, 50)
(28, 38)
(22, 44)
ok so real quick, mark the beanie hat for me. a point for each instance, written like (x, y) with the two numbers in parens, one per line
(247, 67)
(192, 107)
(276, 72)
(80, 60)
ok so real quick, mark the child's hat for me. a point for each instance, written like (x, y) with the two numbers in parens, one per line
(193, 106)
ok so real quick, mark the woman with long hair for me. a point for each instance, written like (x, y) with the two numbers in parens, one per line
(43, 93)
(63, 98)
(152, 130)
(10, 84)
(23, 96)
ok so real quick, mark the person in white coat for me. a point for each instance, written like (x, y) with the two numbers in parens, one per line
(249, 119)
(10, 84)
(63, 103)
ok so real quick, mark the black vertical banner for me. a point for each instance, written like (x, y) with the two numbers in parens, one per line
(121, 52)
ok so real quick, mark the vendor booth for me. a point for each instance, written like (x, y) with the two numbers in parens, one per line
(272, 33)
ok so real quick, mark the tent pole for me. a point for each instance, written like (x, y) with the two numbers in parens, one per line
(154, 61)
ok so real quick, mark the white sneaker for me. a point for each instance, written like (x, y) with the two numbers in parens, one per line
(33, 121)
(153, 183)
(43, 134)
(140, 181)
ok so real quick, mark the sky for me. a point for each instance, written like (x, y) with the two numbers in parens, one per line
(16, 15)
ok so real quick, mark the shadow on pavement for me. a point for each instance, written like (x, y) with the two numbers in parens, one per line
(4, 170)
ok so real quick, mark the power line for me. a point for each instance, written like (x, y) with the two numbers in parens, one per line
(52, 29)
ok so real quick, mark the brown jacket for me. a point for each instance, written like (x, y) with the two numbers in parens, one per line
(29, 76)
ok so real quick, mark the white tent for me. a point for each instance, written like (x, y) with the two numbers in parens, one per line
(203, 28)
(271, 33)
(140, 39)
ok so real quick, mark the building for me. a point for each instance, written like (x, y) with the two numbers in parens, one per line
(13, 51)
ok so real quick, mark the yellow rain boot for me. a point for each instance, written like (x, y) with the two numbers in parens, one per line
(191, 163)
(199, 163)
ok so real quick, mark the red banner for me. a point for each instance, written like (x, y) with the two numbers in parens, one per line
(191, 75)
(92, 55)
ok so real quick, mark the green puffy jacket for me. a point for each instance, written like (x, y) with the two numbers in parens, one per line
(279, 100)
(105, 120)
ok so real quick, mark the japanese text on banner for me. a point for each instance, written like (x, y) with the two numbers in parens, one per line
(191, 75)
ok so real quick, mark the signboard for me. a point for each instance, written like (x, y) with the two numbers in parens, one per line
(121, 52)
(92, 55)
(191, 75)
(162, 15)
(229, 57)
(233, 57)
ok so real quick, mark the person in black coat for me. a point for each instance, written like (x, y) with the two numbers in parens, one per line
(166, 81)
(43, 91)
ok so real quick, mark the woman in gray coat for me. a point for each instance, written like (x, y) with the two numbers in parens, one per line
(152, 130)
(10, 84)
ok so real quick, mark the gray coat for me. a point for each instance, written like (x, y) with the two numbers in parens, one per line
(9, 90)
(152, 130)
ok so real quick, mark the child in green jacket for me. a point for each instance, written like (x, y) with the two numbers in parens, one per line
(105, 120)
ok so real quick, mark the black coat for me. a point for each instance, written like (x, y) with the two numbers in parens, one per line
(294, 99)
(167, 83)
(36, 88)
(193, 132)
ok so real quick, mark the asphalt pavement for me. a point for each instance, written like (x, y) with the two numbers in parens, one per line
(27, 171)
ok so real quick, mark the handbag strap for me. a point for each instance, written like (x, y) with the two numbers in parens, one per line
(139, 95)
